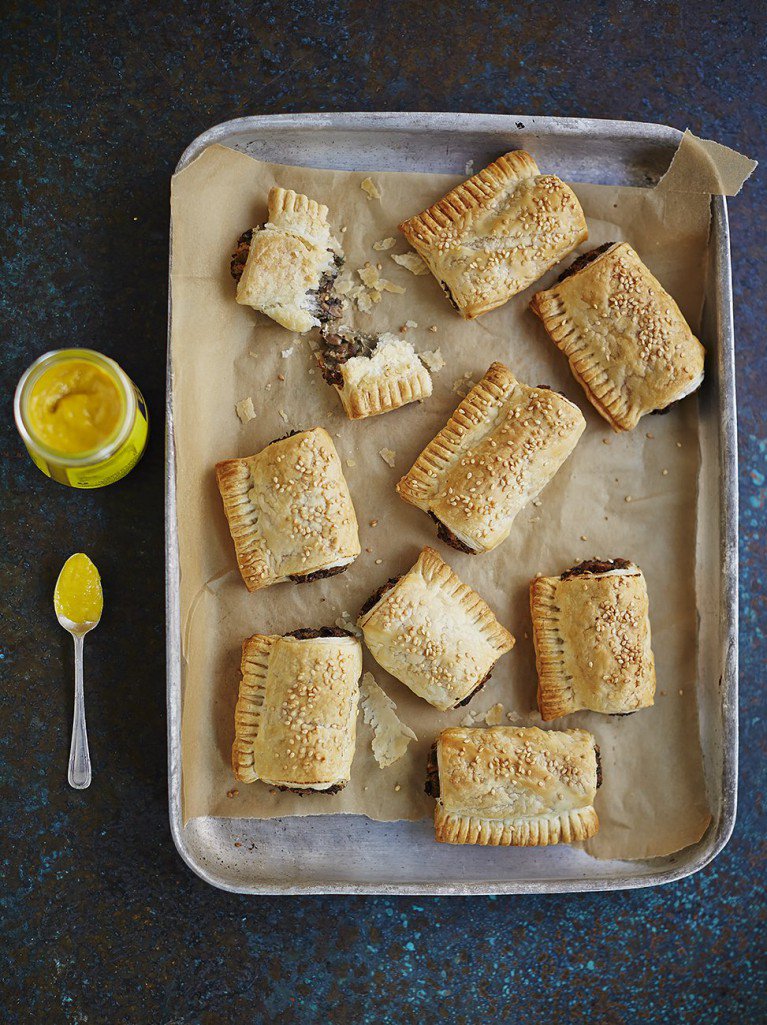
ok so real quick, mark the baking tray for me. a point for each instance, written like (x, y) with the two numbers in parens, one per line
(351, 854)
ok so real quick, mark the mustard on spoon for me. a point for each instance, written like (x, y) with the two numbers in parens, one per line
(79, 602)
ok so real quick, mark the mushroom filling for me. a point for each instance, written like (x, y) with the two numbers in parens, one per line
(306, 633)
(240, 254)
(376, 596)
(432, 773)
(584, 260)
(595, 566)
(477, 689)
(303, 791)
(444, 533)
(318, 574)
(338, 349)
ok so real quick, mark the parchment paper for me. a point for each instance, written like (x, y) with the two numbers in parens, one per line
(610, 499)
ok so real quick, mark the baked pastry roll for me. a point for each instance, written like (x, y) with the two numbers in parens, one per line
(289, 510)
(434, 633)
(625, 337)
(296, 714)
(286, 267)
(510, 786)
(591, 632)
(495, 234)
(372, 373)
(500, 448)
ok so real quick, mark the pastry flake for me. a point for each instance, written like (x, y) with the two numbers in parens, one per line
(372, 373)
(286, 268)
(289, 511)
(625, 338)
(500, 448)
(295, 718)
(509, 786)
(434, 633)
(591, 632)
(391, 736)
(495, 234)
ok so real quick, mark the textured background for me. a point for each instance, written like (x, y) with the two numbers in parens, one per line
(101, 921)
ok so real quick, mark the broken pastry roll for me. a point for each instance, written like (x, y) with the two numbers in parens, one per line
(434, 633)
(296, 714)
(500, 448)
(591, 631)
(495, 234)
(625, 338)
(289, 511)
(286, 267)
(372, 373)
(508, 786)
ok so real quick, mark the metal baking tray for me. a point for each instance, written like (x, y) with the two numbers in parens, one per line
(351, 854)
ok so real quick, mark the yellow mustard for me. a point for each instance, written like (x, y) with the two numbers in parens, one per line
(78, 595)
(74, 407)
(82, 419)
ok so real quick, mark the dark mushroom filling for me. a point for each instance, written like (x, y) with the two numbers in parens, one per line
(477, 689)
(376, 596)
(595, 566)
(445, 534)
(584, 260)
(449, 294)
(306, 633)
(318, 574)
(240, 254)
(598, 755)
(305, 791)
(338, 349)
(290, 434)
(432, 773)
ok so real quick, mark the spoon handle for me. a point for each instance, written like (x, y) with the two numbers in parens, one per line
(79, 758)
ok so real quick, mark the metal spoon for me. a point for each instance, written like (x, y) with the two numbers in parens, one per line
(79, 774)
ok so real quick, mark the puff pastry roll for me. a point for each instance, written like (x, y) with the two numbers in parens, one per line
(372, 373)
(510, 786)
(289, 510)
(591, 632)
(296, 714)
(500, 448)
(495, 234)
(434, 633)
(286, 268)
(624, 336)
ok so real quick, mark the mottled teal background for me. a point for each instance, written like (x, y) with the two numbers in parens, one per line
(101, 920)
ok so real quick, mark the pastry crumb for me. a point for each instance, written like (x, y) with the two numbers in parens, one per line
(351, 463)
(584, 537)
(384, 244)
(665, 473)
(287, 352)
(679, 444)
(232, 793)
(411, 262)
(280, 377)
(397, 788)
(374, 523)
(284, 415)
(245, 410)
(370, 188)
(494, 715)
(388, 455)
(606, 441)
(513, 716)
(433, 328)
(649, 435)
(537, 502)
(468, 167)
(433, 359)
(628, 498)
(378, 562)
(411, 324)
(391, 736)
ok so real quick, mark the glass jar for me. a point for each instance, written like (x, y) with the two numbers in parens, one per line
(71, 385)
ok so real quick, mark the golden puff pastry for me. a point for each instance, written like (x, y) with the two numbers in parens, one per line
(509, 786)
(296, 714)
(289, 510)
(285, 268)
(495, 234)
(591, 632)
(432, 632)
(372, 373)
(625, 337)
(500, 448)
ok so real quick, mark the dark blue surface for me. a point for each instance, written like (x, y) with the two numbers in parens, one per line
(101, 921)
